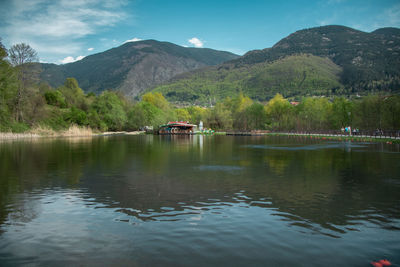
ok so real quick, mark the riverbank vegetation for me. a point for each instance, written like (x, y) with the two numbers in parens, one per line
(27, 104)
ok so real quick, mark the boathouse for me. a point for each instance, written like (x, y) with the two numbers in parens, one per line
(177, 127)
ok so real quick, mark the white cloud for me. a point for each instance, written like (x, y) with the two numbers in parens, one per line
(196, 42)
(133, 40)
(53, 24)
(70, 59)
(90, 49)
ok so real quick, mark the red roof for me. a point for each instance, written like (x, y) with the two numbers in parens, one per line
(180, 123)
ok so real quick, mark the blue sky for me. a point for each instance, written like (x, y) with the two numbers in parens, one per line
(67, 30)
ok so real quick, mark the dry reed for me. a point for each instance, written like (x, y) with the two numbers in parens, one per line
(43, 131)
(75, 130)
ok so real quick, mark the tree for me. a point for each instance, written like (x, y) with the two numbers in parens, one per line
(313, 114)
(8, 89)
(238, 106)
(197, 114)
(369, 112)
(391, 111)
(21, 54)
(110, 109)
(157, 99)
(182, 114)
(341, 113)
(278, 111)
(219, 117)
(55, 98)
(74, 95)
(22, 57)
(256, 116)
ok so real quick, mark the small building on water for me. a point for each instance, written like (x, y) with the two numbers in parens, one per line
(177, 127)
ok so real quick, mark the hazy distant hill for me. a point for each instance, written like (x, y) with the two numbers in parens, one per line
(134, 66)
(344, 61)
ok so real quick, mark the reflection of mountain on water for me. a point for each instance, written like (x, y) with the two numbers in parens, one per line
(171, 177)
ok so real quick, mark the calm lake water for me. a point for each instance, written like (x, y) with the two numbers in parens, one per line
(198, 201)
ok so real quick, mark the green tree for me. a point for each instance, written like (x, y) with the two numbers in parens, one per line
(157, 99)
(391, 112)
(74, 95)
(110, 109)
(256, 116)
(8, 90)
(77, 116)
(278, 112)
(55, 98)
(182, 114)
(197, 114)
(22, 57)
(369, 111)
(341, 113)
(237, 107)
(219, 117)
(313, 114)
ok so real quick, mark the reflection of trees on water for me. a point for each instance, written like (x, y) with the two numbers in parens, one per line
(148, 175)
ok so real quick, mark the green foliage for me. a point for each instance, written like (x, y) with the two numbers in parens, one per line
(197, 114)
(313, 114)
(73, 94)
(55, 98)
(55, 118)
(279, 113)
(110, 109)
(8, 91)
(156, 99)
(256, 116)
(95, 121)
(219, 117)
(76, 116)
(182, 114)
(341, 112)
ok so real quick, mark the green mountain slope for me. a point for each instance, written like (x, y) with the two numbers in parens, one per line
(364, 57)
(295, 75)
(345, 61)
(134, 66)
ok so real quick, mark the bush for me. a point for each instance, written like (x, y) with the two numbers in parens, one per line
(55, 98)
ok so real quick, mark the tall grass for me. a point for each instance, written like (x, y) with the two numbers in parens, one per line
(74, 130)
(43, 131)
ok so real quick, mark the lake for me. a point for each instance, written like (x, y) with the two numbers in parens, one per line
(198, 201)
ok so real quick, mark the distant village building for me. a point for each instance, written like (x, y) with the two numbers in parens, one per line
(294, 103)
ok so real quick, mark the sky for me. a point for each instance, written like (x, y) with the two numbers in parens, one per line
(63, 31)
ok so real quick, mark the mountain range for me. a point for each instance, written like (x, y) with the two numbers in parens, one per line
(327, 60)
(133, 66)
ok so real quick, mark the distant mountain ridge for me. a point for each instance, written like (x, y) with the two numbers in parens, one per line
(365, 63)
(133, 66)
(363, 56)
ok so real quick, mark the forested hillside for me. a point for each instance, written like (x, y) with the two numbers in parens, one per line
(350, 62)
(298, 75)
(133, 66)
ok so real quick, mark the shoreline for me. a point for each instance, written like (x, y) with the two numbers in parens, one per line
(79, 132)
(340, 137)
(24, 136)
